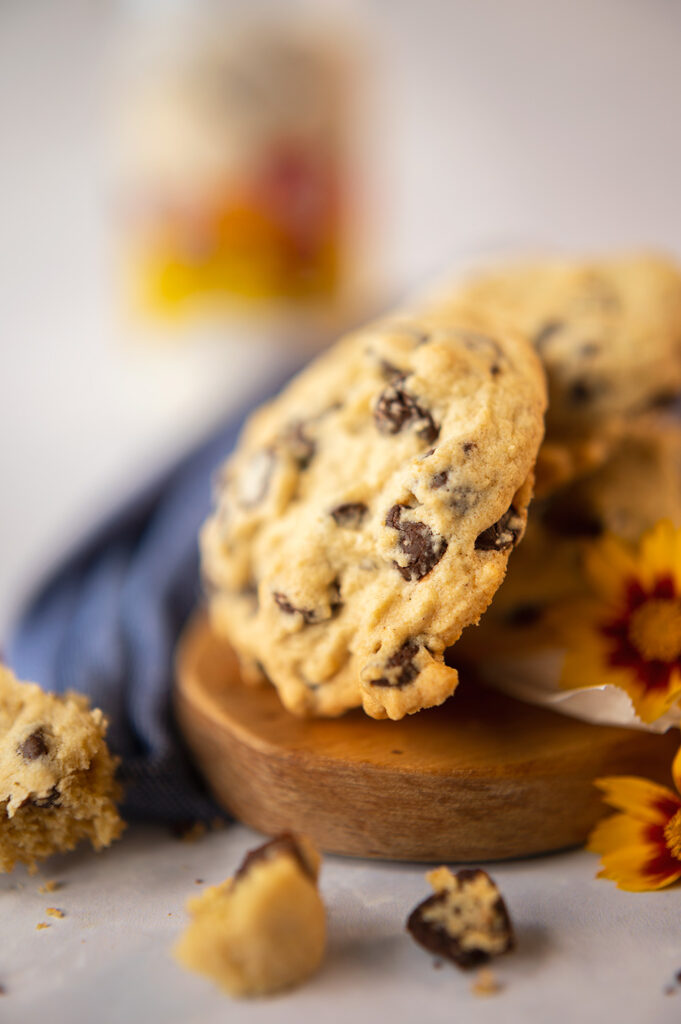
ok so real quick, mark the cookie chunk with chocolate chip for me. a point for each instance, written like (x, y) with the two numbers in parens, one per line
(57, 782)
(264, 930)
(368, 513)
(465, 921)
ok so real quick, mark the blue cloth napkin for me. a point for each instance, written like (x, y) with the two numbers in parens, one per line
(106, 622)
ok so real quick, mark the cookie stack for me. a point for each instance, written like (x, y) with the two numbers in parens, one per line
(368, 513)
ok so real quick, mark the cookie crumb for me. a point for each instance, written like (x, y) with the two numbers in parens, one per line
(465, 921)
(50, 886)
(54, 912)
(40, 925)
(486, 983)
(189, 831)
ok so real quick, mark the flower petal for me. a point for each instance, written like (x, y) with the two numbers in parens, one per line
(660, 553)
(617, 832)
(609, 565)
(641, 799)
(640, 868)
(676, 770)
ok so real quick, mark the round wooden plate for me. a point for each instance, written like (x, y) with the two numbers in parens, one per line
(481, 778)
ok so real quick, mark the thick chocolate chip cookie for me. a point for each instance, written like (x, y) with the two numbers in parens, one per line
(368, 513)
(638, 485)
(608, 333)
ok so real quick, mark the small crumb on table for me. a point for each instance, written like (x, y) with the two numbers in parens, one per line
(54, 912)
(41, 925)
(486, 983)
(50, 886)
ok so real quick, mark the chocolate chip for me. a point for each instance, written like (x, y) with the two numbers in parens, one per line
(523, 616)
(397, 408)
(282, 845)
(34, 746)
(570, 517)
(475, 341)
(51, 799)
(400, 668)
(351, 514)
(309, 615)
(546, 332)
(464, 499)
(439, 480)
(501, 535)
(582, 391)
(298, 444)
(423, 548)
(390, 372)
(468, 447)
(466, 924)
(589, 349)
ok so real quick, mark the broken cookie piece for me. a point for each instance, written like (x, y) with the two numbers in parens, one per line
(465, 921)
(57, 782)
(263, 930)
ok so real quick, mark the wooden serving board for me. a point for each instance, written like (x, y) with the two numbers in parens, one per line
(483, 777)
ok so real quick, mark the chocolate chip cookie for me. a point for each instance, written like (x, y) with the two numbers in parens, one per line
(57, 782)
(609, 335)
(638, 485)
(608, 332)
(368, 513)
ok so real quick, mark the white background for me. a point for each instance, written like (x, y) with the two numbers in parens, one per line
(504, 123)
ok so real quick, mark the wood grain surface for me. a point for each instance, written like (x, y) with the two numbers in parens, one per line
(483, 777)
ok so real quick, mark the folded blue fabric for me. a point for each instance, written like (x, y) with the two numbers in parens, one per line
(106, 622)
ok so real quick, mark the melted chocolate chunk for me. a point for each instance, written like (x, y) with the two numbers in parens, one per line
(423, 548)
(396, 408)
(400, 667)
(572, 518)
(297, 442)
(439, 480)
(582, 391)
(391, 372)
(546, 332)
(475, 341)
(589, 349)
(501, 535)
(34, 746)
(50, 800)
(523, 616)
(464, 499)
(461, 918)
(351, 514)
(284, 845)
(309, 614)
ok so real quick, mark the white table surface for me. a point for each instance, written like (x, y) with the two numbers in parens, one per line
(503, 122)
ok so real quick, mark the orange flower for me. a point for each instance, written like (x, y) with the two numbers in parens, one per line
(629, 633)
(640, 847)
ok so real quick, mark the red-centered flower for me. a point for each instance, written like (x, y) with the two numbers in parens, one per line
(628, 633)
(640, 847)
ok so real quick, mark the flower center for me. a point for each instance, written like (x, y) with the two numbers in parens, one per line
(655, 630)
(672, 835)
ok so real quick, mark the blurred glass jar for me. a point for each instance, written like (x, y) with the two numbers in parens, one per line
(239, 168)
